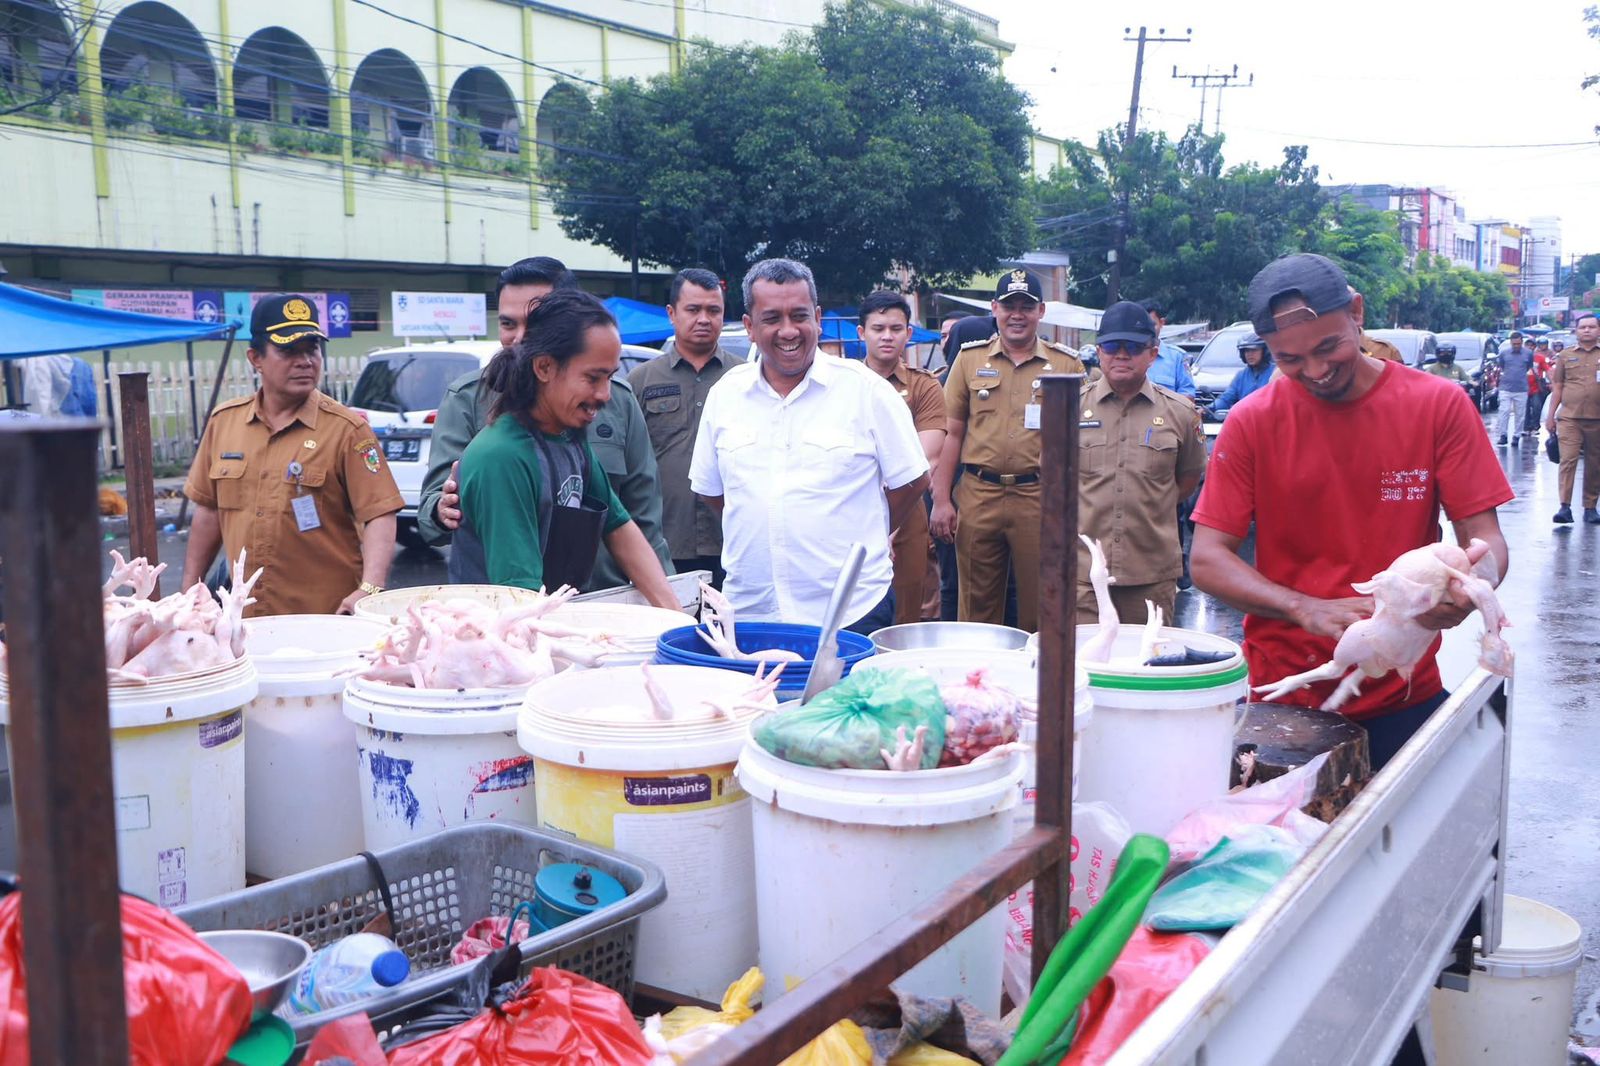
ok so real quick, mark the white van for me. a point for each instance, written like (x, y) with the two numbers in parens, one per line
(398, 393)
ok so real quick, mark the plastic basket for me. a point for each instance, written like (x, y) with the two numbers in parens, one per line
(440, 885)
(686, 647)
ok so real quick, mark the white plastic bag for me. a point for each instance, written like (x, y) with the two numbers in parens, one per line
(1099, 834)
(1275, 802)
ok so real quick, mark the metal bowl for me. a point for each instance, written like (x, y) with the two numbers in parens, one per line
(270, 962)
(916, 635)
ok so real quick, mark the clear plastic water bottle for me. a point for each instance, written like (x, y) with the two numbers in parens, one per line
(359, 966)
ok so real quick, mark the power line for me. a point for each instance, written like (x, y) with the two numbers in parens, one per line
(1120, 238)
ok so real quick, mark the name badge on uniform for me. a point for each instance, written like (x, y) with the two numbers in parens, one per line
(1030, 416)
(986, 372)
(305, 513)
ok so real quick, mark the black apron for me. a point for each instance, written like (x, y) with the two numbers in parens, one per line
(571, 521)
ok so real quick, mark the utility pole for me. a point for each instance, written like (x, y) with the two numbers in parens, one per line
(1203, 82)
(1120, 242)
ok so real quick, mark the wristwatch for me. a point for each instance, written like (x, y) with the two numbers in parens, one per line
(369, 588)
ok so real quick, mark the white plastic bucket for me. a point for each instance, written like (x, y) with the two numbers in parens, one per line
(1162, 741)
(390, 606)
(177, 767)
(663, 790)
(839, 854)
(1518, 1005)
(632, 627)
(302, 800)
(427, 759)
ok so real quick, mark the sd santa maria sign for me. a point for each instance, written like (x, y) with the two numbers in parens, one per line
(440, 315)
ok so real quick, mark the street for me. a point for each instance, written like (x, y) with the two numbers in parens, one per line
(1554, 853)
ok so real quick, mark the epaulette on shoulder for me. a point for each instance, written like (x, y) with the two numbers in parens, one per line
(977, 343)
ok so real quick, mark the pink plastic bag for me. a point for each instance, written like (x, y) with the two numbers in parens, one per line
(485, 936)
(1276, 802)
(979, 715)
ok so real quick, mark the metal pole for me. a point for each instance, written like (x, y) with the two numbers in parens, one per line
(61, 744)
(1058, 598)
(194, 395)
(111, 417)
(1120, 241)
(140, 469)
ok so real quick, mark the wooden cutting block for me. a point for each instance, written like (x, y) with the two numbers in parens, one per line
(1282, 737)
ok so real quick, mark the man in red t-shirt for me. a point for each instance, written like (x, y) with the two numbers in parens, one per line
(1342, 464)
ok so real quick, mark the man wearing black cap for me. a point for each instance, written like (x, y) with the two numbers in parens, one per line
(1342, 467)
(992, 411)
(1141, 450)
(293, 478)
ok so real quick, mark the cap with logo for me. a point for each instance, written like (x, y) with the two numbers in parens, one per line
(1126, 321)
(1315, 279)
(283, 320)
(1019, 283)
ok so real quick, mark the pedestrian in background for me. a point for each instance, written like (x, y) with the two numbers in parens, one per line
(292, 477)
(992, 403)
(883, 322)
(804, 457)
(672, 388)
(1171, 369)
(1574, 417)
(1515, 363)
(1539, 384)
(535, 500)
(618, 437)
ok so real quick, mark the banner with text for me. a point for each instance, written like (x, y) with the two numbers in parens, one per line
(440, 315)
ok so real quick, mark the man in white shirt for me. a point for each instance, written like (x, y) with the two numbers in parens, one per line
(803, 457)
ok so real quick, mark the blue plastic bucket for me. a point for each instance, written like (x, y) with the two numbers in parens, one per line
(685, 646)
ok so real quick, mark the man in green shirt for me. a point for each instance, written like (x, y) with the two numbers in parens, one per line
(618, 438)
(1445, 366)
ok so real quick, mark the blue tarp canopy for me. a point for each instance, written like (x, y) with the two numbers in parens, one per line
(840, 325)
(639, 323)
(34, 324)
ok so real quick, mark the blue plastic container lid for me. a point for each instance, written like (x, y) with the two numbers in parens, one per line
(391, 968)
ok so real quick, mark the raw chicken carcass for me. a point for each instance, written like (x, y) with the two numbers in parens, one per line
(753, 701)
(181, 633)
(717, 630)
(1392, 639)
(1097, 649)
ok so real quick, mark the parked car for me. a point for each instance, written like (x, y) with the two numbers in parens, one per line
(398, 393)
(1416, 346)
(1218, 363)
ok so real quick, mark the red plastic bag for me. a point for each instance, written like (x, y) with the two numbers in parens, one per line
(556, 1019)
(1149, 968)
(186, 1003)
(349, 1041)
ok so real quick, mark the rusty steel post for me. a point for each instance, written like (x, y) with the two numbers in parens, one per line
(61, 744)
(139, 466)
(1058, 597)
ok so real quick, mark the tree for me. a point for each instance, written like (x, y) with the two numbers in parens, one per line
(1581, 283)
(886, 138)
(1197, 231)
(1366, 245)
(1444, 297)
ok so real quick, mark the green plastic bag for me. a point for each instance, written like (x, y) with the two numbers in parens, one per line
(850, 725)
(1227, 882)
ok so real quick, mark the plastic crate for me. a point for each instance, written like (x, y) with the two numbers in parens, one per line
(440, 885)
(686, 647)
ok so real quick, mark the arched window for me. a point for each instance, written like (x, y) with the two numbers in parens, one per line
(391, 113)
(563, 111)
(38, 55)
(157, 74)
(279, 82)
(483, 113)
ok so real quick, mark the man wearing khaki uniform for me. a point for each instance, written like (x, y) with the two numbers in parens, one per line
(992, 408)
(1574, 406)
(1141, 450)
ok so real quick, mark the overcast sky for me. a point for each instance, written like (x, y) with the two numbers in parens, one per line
(1374, 92)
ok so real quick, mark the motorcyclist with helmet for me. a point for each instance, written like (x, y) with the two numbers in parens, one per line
(1256, 373)
(1444, 366)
